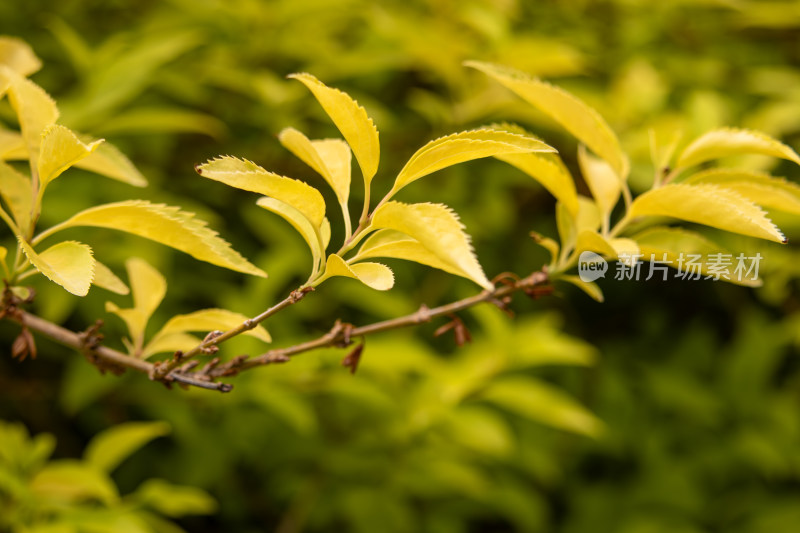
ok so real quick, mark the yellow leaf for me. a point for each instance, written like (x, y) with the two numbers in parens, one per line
(18, 56)
(730, 141)
(330, 158)
(571, 113)
(149, 288)
(60, 150)
(594, 242)
(570, 226)
(299, 222)
(465, 146)
(626, 250)
(438, 229)
(166, 225)
(207, 320)
(170, 343)
(352, 120)
(34, 108)
(248, 176)
(174, 331)
(3, 254)
(548, 170)
(15, 189)
(547, 243)
(762, 189)
(602, 181)
(589, 287)
(106, 279)
(373, 275)
(108, 161)
(12, 146)
(69, 264)
(678, 245)
(397, 245)
(325, 233)
(710, 205)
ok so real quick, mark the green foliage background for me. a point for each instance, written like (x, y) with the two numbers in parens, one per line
(697, 383)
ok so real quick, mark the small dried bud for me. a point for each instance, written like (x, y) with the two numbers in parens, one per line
(352, 359)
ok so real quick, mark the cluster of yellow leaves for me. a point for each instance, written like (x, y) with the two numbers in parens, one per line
(430, 234)
(50, 150)
(730, 200)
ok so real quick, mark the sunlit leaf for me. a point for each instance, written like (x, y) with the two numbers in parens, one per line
(167, 225)
(373, 275)
(15, 189)
(570, 226)
(170, 343)
(106, 279)
(174, 500)
(68, 480)
(330, 158)
(149, 288)
(762, 189)
(710, 205)
(352, 120)
(299, 222)
(589, 287)
(548, 244)
(626, 250)
(550, 172)
(397, 245)
(109, 448)
(325, 233)
(17, 55)
(543, 403)
(465, 146)
(12, 145)
(438, 229)
(602, 181)
(60, 150)
(108, 161)
(68, 263)
(729, 141)
(571, 113)
(34, 107)
(679, 246)
(246, 175)
(205, 320)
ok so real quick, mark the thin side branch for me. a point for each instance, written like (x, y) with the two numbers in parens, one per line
(164, 369)
(341, 334)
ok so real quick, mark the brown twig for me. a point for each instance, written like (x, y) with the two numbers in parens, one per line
(179, 370)
(339, 332)
(212, 340)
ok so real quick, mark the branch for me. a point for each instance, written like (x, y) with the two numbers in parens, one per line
(206, 346)
(340, 334)
(180, 371)
(101, 356)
